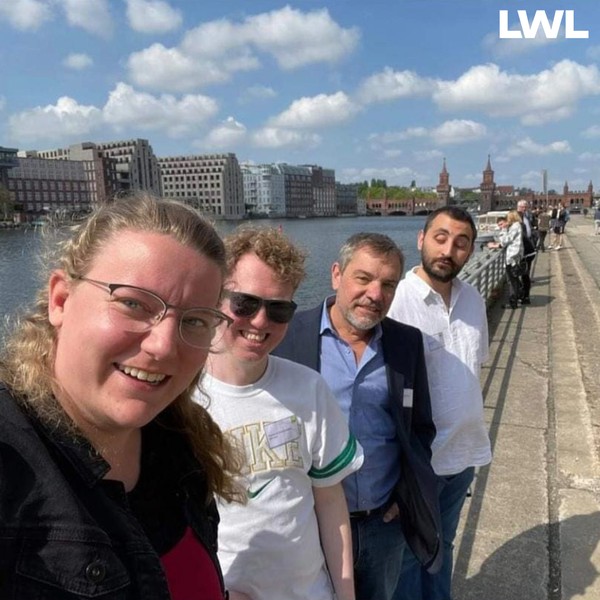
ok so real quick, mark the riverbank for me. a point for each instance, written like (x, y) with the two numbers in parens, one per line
(532, 526)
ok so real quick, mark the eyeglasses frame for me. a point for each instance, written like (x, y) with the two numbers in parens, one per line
(111, 287)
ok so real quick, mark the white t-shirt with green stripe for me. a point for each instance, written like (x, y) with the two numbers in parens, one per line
(294, 437)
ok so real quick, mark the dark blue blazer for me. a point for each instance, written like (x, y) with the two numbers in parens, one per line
(417, 489)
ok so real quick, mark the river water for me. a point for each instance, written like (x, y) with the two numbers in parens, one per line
(321, 238)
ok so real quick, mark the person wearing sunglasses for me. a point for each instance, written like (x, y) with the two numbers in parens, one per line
(108, 468)
(292, 538)
(376, 369)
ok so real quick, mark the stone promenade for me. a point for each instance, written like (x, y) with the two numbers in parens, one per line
(531, 529)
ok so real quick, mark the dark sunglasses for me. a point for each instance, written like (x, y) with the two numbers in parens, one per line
(247, 305)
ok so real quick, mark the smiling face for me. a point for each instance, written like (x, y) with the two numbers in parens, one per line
(445, 248)
(364, 290)
(247, 343)
(111, 380)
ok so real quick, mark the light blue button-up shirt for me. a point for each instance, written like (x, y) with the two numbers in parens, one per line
(362, 393)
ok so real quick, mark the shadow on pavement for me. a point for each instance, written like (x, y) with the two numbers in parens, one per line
(512, 571)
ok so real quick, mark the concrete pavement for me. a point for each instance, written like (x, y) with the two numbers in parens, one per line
(531, 529)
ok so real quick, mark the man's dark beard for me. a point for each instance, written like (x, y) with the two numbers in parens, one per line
(437, 276)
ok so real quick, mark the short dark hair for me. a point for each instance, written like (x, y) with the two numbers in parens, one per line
(454, 212)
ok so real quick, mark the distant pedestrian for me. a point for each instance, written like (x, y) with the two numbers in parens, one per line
(597, 221)
(529, 251)
(511, 238)
(452, 316)
(562, 217)
(543, 228)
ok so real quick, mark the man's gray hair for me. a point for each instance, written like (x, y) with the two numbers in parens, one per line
(377, 243)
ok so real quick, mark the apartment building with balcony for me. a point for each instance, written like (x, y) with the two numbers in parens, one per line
(264, 190)
(136, 165)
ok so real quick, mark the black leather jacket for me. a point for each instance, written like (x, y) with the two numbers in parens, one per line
(66, 533)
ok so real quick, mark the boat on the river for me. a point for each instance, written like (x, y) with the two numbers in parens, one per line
(487, 225)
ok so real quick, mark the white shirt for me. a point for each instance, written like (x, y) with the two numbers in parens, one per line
(456, 344)
(295, 437)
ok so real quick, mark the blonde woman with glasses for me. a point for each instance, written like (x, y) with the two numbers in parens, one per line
(107, 466)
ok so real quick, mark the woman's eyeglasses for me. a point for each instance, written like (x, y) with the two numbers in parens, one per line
(247, 305)
(137, 310)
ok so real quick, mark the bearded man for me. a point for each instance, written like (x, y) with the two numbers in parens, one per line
(452, 316)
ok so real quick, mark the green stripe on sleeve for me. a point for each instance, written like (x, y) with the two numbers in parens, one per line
(340, 463)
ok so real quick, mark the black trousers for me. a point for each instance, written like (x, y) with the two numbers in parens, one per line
(526, 277)
(513, 273)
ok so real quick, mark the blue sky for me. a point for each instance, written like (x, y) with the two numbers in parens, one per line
(371, 88)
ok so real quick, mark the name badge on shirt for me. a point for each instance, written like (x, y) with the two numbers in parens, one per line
(435, 341)
(280, 432)
(407, 398)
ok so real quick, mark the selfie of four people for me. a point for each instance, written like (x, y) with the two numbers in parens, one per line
(152, 447)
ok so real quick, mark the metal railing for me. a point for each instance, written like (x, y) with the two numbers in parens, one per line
(485, 270)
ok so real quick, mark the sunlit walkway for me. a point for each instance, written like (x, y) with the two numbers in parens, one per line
(531, 529)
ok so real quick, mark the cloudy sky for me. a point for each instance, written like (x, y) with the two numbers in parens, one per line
(371, 88)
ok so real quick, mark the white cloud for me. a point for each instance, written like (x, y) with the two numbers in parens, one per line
(92, 16)
(66, 120)
(159, 67)
(458, 131)
(392, 153)
(297, 39)
(77, 61)
(152, 16)
(275, 137)
(549, 95)
(257, 92)
(25, 14)
(593, 52)
(527, 147)
(127, 107)
(394, 85)
(450, 132)
(318, 111)
(426, 155)
(225, 136)
(214, 51)
(591, 132)
(504, 48)
(589, 156)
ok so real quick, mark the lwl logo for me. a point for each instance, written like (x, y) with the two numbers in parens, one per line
(551, 30)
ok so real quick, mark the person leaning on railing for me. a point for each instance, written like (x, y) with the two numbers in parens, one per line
(511, 238)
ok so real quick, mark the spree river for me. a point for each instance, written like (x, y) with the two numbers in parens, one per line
(321, 238)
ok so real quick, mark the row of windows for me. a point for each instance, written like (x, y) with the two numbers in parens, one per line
(44, 184)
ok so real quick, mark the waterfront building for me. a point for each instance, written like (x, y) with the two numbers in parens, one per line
(212, 183)
(298, 193)
(346, 199)
(264, 190)
(323, 189)
(8, 160)
(101, 170)
(136, 166)
(505, 197)
(42, 187)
